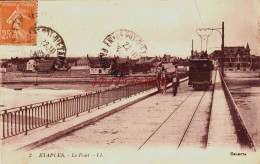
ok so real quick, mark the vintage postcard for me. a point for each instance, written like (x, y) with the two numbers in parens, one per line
(130, 81)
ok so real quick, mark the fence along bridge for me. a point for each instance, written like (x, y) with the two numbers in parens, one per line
(25, 118)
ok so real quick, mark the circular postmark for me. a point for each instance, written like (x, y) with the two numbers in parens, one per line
(49, 44)
(120, 44)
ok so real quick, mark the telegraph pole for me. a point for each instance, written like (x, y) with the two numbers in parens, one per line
(221, 58)
(222, 50)
(192, 49)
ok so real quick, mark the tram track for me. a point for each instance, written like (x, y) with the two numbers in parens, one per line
(165, 120)
(182, 139)
(171, 114)
(188, 123)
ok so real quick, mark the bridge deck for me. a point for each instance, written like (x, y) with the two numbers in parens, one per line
(160, 120)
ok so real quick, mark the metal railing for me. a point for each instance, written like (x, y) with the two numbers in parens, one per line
(25, 118)
(244, 137)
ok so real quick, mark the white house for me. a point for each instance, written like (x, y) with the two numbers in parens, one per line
(96, 66)
(2, 70)
(98, 70)
(31, 65)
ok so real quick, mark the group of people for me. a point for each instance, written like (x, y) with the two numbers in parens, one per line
(163, 79)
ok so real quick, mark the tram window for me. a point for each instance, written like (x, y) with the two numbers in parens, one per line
(193, 67)
(205, 67)
(200, 66)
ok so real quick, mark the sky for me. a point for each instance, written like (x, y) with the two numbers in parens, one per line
(166, 26)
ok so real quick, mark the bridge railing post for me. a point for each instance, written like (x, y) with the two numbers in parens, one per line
(47, 115)
(26, 129)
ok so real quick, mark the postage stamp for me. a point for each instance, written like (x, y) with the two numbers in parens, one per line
(121, 44)
(18, 18)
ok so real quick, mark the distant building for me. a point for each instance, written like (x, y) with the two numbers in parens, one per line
(146, 64)
(31, 65)
(144, 68)
(16, 64)
(44, 65)
(96, 66)
(143, 59)
(79, 67)
(255, 62)
(142, 65)
(166, 58)
(11, 67)
(1, 64)
(98, 70)
(83, 62)
(71, 61)
(153, 60)
(235, 58)
(121, 66)
(80, 70)
(2, 68)
(170, 68)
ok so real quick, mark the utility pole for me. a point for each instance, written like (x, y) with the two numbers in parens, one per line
(192, 49)
(222, 49)
(222, 34)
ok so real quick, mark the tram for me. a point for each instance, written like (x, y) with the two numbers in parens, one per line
(200, 72)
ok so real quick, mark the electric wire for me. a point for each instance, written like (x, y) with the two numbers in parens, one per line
(199, 12)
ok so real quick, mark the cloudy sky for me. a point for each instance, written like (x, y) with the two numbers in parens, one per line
(166, 26)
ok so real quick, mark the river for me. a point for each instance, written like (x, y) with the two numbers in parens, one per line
(246, 93)
(33, 94)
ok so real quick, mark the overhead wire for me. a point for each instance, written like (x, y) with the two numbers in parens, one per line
(198, 12)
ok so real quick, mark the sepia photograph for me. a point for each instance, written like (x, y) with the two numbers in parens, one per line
(130, 81)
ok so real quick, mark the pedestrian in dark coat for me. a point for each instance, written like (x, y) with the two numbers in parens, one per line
(175, 84)
(159, 80)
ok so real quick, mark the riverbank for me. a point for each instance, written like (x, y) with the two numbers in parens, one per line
(24, 78)
(45, 79)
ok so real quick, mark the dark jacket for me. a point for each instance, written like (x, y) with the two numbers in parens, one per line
(175, 80)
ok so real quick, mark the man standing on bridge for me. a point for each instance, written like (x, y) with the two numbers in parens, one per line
(163, 80)
(175, 83)
(158, 79)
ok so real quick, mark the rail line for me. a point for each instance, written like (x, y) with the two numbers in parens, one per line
(184, 135)
(165, 121)
(182, 138)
